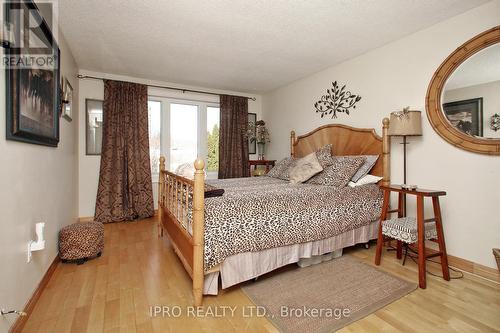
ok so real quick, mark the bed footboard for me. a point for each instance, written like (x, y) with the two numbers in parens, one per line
(181, 214)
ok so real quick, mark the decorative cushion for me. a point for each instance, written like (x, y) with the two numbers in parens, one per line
(305, 168)
(324, 155)
(338, 174)
(370, 161)
(81, 240)
(368, 179)
(280, 170)
(405, 229)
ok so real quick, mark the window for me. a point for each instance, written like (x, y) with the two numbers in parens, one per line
(183, 134)
(154, 126)
(213, 122)
(183, 131)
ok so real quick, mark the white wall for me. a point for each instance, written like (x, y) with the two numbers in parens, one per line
(37, 183)
(94, 89)
(388, 79)
(490, 92)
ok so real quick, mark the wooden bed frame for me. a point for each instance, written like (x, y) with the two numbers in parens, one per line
(178, 196)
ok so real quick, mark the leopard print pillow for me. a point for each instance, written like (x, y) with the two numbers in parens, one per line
(365, 168)
(324, 155)
(338, 174)
(280, 170)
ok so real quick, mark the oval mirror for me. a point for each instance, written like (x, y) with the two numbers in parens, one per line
(463, 99)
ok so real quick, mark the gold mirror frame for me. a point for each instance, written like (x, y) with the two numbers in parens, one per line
(433, 100)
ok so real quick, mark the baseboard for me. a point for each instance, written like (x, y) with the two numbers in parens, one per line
(471, 267)
(474, 268)
(86, 219)
(30, 305)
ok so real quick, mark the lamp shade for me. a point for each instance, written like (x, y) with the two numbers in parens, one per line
(405, 123)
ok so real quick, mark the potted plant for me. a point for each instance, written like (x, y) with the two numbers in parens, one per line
(259, 133)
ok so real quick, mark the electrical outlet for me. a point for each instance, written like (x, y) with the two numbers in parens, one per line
(39, 244)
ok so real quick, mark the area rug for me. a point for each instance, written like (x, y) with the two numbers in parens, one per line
(325, 297)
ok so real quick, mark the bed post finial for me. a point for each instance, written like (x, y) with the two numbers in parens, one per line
(386, 152)
(161, 195)
(198, 231)
(162, 163)
(292, 143)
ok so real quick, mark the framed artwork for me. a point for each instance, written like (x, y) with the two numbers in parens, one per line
(32, 91)
(94, 117)
(466, 115)
(67, 108)
(252, 145)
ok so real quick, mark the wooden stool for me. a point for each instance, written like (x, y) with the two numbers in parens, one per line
(411, 230)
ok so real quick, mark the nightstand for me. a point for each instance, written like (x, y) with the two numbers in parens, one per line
(411, 230)
(252, 164)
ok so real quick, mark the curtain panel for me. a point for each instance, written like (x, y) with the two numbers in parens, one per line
(233, 143)
(125, 188)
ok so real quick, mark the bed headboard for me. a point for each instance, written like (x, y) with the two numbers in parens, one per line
(347, 140)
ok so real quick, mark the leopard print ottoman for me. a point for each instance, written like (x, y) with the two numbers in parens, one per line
(81, 241)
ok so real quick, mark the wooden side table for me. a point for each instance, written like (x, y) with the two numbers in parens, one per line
(252, 164)
(420, 228)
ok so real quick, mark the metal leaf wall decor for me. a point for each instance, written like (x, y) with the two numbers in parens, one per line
(337, 99)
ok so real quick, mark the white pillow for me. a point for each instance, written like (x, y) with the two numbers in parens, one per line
(185, 170)
(368, 179)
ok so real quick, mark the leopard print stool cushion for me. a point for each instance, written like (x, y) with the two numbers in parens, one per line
(81, 240)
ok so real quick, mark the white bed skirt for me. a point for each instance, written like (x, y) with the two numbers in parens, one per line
(249, 265)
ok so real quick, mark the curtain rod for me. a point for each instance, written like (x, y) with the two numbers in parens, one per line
(80, 76)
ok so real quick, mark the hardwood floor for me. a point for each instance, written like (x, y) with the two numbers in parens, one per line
(138, 270)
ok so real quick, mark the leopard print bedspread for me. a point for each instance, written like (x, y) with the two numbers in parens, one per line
(258, 213)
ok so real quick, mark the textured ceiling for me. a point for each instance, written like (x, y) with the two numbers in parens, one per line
(242, 45)
(482, 67)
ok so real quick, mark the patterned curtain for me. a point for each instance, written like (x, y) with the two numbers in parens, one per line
(125, 189)
(233, 143)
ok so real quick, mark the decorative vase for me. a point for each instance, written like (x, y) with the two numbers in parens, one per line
(261, 150)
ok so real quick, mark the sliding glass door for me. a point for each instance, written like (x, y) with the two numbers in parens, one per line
(188, 130)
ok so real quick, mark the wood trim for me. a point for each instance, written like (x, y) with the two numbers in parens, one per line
(468, 266)
(30, 305)
(465, 265)
(433, 99)
(180, 239)
(198, 232)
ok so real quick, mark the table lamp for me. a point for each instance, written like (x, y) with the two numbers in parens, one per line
(405, 123)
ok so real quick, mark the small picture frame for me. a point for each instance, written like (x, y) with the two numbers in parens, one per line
(67, 108)
(94, 117)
